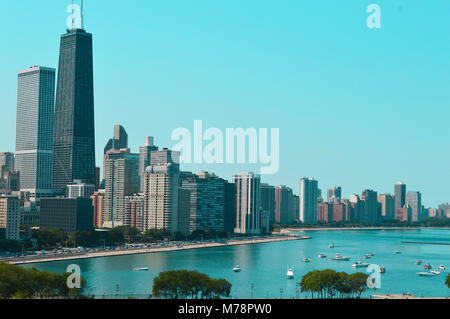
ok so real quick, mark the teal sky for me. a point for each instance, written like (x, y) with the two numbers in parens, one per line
(356, 107)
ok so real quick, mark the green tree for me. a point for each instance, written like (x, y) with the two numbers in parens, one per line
(331, 284)
(184, 284)
(17, 282)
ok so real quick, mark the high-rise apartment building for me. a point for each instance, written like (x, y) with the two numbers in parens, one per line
(229, 219)
(74, 134)
(207, 200)
(184, 211)
(284, 205)
(70, 214)
(371, 213)
(309, 194)
(161, 185)
(144, 158)
(121, 179)
(10, 216)
(268, 200)
(98, 203)
(34, 130)
(325, 212)
(248, 219)
(118, 142)
(134, 211)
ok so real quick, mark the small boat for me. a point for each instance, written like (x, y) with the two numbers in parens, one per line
(436, 272)
(322, 256)
(442, 267)
(236, 268)
(398, 252)
(427, 266)
(418, 262)
(306, 260)
(290, 273)
(339, 257)
(367, 257)
(426, 274)
(370, 254)
(359, 264)
(331, 245)
(141, 269)
(382, 270)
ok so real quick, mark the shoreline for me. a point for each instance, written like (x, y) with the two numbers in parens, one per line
(289, 229)
(140, 251)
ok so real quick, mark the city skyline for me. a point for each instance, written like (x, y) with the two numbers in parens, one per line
(377, 163)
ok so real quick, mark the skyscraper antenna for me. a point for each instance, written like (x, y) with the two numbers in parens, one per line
(82, 15)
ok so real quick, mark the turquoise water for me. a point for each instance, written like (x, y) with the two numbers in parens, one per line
(264, 265)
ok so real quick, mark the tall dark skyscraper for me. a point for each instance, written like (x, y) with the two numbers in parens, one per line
(74, 141)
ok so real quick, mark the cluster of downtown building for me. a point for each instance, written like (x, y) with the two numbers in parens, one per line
(52, 180)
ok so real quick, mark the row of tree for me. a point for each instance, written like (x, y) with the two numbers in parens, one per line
(26, 283)
(51, 238)
(183, 284)
(331, 284)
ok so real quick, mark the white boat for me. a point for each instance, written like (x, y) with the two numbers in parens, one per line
(427, 266)
(359, 264)
(370, 254)
(140, 269)
(367, 257)
(339, 257)
(426, 274)
(436, 272)
(331, 245)
(418, 262)
(290, 273)
(306, 260)
(322, 256)
(398, 252)
(236, 268)
(442, 267)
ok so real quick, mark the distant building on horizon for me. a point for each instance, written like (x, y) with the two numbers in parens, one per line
(414, 200)
(387, 202)
(6, 163)
(400, 195)
(34, 130)
(74, 134)
(334, 194)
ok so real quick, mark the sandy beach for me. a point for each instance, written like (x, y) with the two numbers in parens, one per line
(123, 252)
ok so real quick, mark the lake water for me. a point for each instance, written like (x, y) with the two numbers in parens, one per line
(264, 266)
